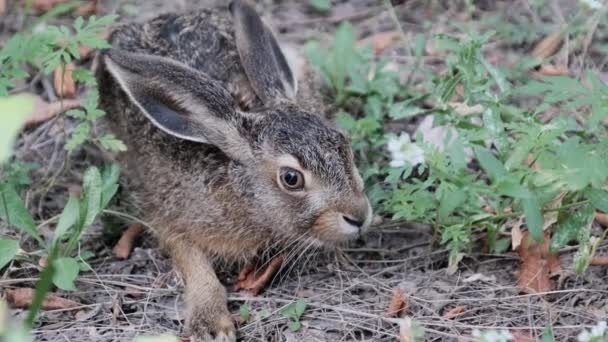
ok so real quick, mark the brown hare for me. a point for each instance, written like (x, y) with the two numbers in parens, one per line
(230, 149)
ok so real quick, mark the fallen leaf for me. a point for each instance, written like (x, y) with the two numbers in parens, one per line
(123, 248)
(89, 8)
(254, 280)
(537, 264)
(516, 233)
(65, 86)
(523, 337)
(601, 218)
(553, 70)
(44, 5)
(21, 298)
(44, 111)
(2, 7)
(455, 312)
(398, 304)
(479, 277)
(599, 260)
(380, 41)
(464, 109)
(550, 216)
(547, 46)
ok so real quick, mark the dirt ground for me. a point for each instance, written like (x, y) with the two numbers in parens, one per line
(347, 294)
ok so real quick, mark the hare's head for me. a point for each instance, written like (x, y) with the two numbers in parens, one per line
(293, 164)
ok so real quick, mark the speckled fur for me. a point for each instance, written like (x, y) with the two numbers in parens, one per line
(204, 204)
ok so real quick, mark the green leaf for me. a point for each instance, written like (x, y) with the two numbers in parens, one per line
(13, 112)
(245, 312)
(92, 191)
(69, 216)
(534, 216)
(110, 177)
(13, 211)
(548, 334)
(449, 202)
(489, 163)
(66, 271)
(573, 226)
(111, 143)
(598, 198)
(321, 5)
(294, 325)
(300, 307)
(8, 250)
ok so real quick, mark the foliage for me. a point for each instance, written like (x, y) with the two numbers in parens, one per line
(501, 158)
(294, 312)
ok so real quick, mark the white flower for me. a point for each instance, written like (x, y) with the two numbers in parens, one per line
(404, 152)
(492, 335)
(593, 4)
(595, 334)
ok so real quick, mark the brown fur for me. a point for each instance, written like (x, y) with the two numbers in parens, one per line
(203, 172)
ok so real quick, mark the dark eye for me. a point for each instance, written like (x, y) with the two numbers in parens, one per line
(291, 179)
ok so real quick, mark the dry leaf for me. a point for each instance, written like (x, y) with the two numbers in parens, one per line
(599, 260)
(380, 41)
(464, 109)
(44, 5)
(516, 233)
(123, 248)
(2, 7)
(537, 263)
(254, 280)
(89, 8)
(548, 46)
(398, 303)
(65, 86)
(44, 111)
(553, 70)
(22, 298)
(455, 312)
(550, 217)
(601, 218)
(479, 277)
(523, 337)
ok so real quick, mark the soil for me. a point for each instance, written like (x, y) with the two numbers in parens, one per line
(347, 293)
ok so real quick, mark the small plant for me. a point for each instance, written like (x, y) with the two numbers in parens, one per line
(293, 312)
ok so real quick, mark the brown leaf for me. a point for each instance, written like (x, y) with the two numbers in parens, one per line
(2, 7)
(89, 8)
(380, 41)
(398, 305)
(254, 280)
(537, 263)
(44, 5)
(548, 46)
(516, 234)
(44, 111)
(599, 260)
(65, 86)
(601, 218)
(123, 248)
(22, 298)
(455, 312)
(523, 337)
(553, 70)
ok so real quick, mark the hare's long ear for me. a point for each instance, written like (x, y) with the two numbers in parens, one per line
(265, 64)
(180, 100)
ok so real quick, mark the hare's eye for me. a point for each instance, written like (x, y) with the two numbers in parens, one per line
(291, 179)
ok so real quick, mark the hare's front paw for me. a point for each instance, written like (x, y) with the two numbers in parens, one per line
(210, 326)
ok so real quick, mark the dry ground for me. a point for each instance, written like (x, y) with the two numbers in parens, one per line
(348, 294)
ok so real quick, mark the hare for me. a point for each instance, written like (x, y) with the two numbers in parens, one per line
(226, 156)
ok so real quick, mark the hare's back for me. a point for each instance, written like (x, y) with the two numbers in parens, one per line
(203, 40)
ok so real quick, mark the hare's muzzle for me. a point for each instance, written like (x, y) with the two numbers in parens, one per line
(355, 222)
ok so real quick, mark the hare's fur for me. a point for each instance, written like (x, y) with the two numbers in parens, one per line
(207, 134)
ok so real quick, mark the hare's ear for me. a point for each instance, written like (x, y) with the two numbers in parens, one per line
(180, 100)
(264, 62)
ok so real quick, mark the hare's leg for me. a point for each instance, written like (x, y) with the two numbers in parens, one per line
(209, 318)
